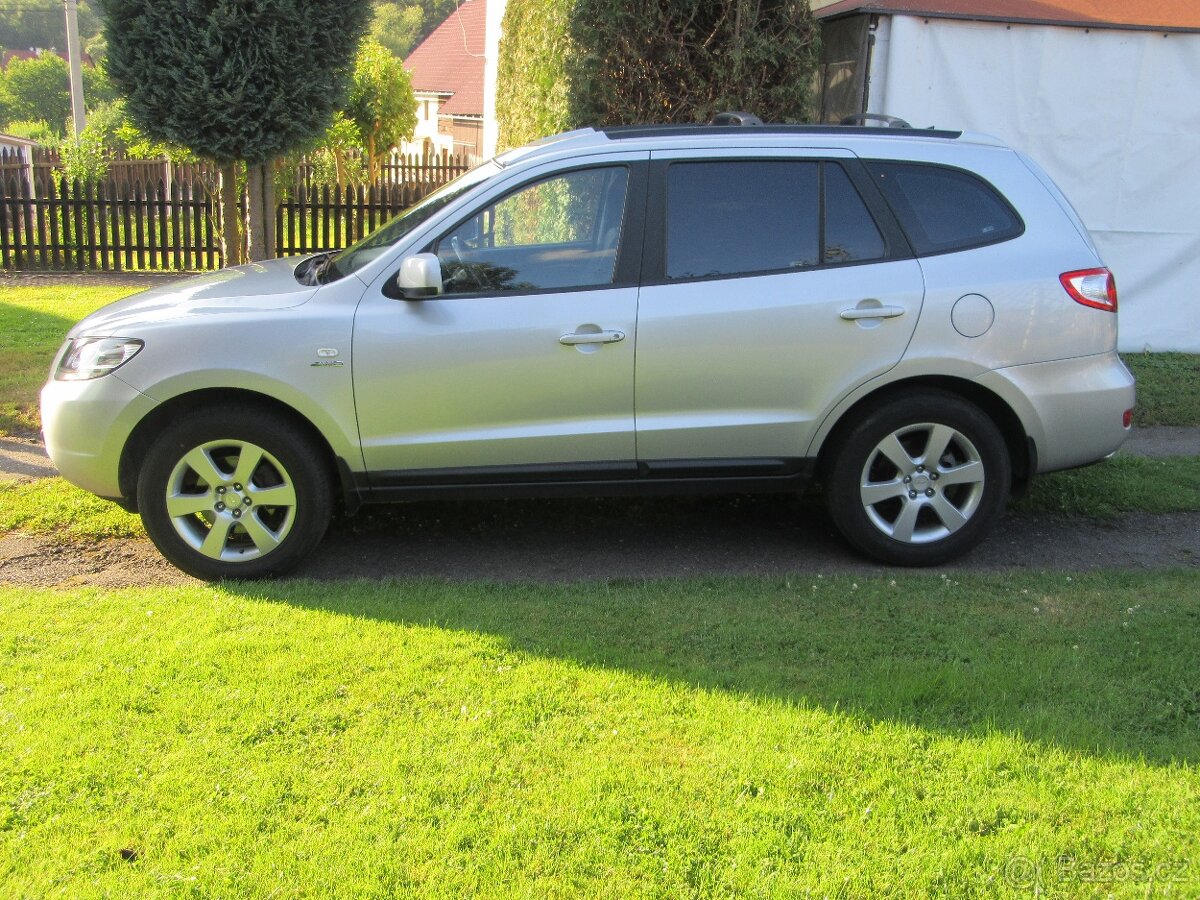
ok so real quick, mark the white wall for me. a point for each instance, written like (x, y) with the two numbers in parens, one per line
(1113, 116)
(491, 53)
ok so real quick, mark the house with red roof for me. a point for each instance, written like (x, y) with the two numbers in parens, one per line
(447, 79)
(1103, 94)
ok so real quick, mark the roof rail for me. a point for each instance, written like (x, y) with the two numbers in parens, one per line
(632, 132)
(864, 118)
(735, 118)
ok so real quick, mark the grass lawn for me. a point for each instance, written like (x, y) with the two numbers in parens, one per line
(53, 506)
(1168, 387)
(787, 737)
(969, 736)
(33, 323)
(1119, 485)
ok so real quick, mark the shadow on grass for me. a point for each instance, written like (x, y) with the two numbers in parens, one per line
(1100, 664)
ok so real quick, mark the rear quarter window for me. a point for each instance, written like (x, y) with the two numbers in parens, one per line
(943, 209)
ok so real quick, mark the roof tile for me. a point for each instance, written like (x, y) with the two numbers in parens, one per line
(1171, 14)
(450, 60)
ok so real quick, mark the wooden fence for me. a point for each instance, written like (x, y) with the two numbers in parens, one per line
(159, 216)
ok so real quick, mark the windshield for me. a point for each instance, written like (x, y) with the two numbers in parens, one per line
(381, 240)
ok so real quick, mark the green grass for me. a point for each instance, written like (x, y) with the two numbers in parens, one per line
(51, 506)
(786, 737)
(33, 323)
(1119, 485)
(966, 736)
(1168, 388)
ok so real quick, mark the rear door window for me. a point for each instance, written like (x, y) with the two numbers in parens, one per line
(850, 233)
(737, 217)
(943, 209)
(729, 218)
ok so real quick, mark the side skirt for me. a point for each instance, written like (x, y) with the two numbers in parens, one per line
(595, 479)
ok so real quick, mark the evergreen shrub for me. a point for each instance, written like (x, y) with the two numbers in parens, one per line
(568, 63)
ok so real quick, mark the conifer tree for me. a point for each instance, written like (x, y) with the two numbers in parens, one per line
(235, 81)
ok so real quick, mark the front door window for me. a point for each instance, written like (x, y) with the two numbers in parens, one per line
(558, 233)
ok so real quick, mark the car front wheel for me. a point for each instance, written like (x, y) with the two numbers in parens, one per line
(234, 493)
(919, 481)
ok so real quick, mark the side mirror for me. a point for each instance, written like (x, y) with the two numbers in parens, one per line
(419, 278)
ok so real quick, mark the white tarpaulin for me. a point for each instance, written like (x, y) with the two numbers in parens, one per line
(1113, 116)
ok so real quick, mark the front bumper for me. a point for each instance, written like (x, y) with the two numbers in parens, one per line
(86, 425)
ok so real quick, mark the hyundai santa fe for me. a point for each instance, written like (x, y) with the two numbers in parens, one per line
(916, 318)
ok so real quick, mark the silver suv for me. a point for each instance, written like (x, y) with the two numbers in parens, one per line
(916, 318)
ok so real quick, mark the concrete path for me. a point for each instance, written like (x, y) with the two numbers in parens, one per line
(1163, 440)
(24, 458)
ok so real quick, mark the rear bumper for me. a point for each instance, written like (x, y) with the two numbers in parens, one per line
(1072, 409)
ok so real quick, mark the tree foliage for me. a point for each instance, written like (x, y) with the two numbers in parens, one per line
(34, 90)
(536, 78)
(338, 160)
(33, 131)
(235, 81)
(39, 89)
(85, 157)
(243, 80)
(398, 27)
(566, 63)
(27, 24)
(109, 123)
(381, 101)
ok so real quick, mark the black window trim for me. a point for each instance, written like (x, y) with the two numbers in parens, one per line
(626, 272)
(1004, 237)
(895, 244)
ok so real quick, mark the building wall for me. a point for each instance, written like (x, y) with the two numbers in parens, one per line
(428, 137)
(491, 54)
(1112, 115)
(466, 134)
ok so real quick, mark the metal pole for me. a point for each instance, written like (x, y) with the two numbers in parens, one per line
(78, 117)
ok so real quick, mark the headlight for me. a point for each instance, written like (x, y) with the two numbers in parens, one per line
(87, 358)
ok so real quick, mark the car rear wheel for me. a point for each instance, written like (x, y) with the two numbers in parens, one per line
(920, 480)
(234, 493)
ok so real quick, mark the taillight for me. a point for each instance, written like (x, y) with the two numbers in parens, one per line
(1092, 287)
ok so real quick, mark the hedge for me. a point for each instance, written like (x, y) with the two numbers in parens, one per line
(568, 63)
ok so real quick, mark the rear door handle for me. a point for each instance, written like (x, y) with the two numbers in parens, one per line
(872, 312)
(595, 337)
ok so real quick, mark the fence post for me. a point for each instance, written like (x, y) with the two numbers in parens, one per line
(26, 194)
(5, 259)
(40, 205)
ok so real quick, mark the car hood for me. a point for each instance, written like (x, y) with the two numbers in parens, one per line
(257, 287)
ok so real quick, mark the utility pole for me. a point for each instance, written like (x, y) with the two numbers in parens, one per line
(78, 118)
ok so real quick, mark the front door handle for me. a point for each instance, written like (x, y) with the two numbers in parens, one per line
(872, 312)
(594, 337)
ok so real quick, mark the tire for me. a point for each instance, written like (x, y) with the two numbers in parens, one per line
(919, 480)
(206, 488)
